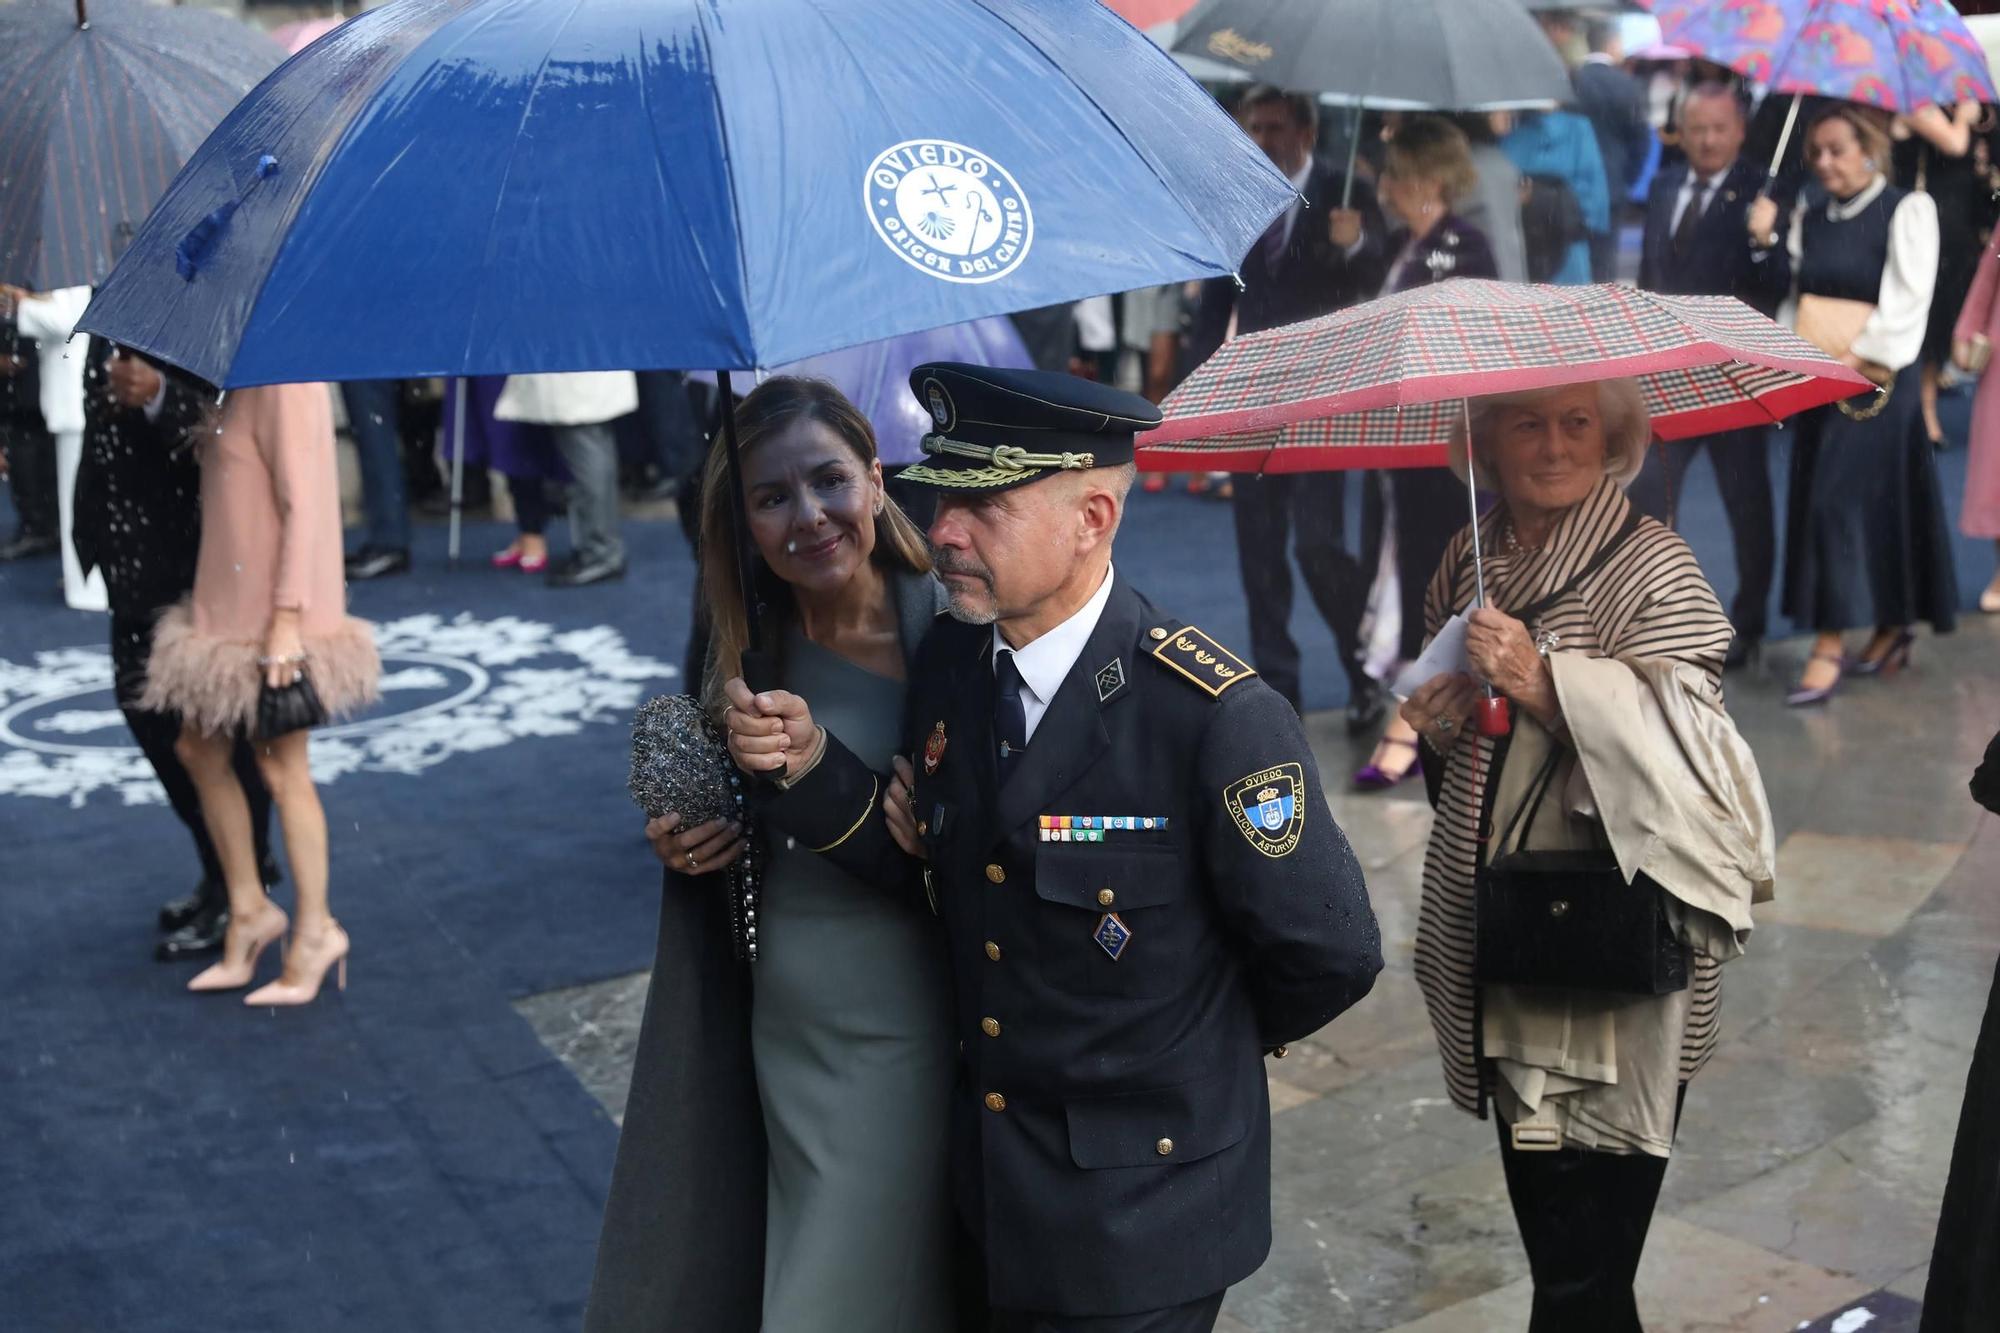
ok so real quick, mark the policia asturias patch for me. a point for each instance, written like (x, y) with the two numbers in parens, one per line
(1269, 808)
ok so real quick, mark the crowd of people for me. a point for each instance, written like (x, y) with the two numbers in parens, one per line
(953, 1107)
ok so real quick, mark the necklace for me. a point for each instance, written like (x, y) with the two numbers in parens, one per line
(1510, 543)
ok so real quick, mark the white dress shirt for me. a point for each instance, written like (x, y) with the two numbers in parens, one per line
(1046, 662)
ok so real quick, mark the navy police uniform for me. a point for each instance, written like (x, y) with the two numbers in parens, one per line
(1139, 906)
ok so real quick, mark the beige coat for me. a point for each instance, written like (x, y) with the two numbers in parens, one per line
(1661, 769)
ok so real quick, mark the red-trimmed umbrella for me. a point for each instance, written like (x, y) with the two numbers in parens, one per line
(1380, 385)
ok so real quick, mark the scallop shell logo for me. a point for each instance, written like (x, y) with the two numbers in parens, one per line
(949, 210)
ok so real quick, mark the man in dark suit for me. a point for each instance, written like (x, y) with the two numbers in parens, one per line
(138, 519)
(1698, 244)
(1123, 829)
(1297, 271)
(1614, 103)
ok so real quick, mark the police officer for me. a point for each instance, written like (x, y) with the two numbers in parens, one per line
(1122, 829)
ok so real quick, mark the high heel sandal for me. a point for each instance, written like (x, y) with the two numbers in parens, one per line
(1989, 600)
(1893, 659)
(1804, 696)
(312, 972)
(240, 953)
(1373, 777)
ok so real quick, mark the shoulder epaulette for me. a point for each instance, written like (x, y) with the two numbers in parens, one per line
(1189, 653)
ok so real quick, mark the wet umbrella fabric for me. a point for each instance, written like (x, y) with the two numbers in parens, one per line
(875, 377)
(1897, 56)
(95, 121)
(1412, 55)
(1381, 385)
(499, 186)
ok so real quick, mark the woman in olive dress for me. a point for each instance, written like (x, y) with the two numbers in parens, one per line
(783, 1163)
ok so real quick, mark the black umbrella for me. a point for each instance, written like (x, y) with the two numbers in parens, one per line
(99, 106)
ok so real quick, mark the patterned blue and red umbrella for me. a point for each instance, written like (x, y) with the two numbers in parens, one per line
(99, 106)
(1894, 54)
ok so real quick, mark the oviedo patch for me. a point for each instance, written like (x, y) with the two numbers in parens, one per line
(949, 210)
(1269, 808)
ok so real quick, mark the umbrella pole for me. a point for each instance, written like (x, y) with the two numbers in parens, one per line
(1784, 142)
(759, 666)
(1493, 718)
(457, 468)
(1353, 154)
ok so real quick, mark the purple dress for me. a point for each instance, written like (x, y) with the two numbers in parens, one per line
(514, 449)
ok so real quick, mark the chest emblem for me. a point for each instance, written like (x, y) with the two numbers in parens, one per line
(1112, 935)
(1111, 679)
(1269, 808)
(934, 750)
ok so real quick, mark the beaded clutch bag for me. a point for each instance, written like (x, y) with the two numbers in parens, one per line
(681, 765)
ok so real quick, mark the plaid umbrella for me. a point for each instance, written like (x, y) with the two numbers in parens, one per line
(1380, 385)
(99, 107)
(1895, 54)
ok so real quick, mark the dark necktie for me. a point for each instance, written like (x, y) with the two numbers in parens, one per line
(1272, 243)
(1010, 715)
(1690, 218)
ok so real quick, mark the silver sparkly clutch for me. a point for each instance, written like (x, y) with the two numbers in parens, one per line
(681, 765)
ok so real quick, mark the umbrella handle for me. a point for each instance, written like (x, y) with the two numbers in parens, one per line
(1353, 154)
(1494, 717)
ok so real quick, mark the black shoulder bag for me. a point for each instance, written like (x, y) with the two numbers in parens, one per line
(1568, 918)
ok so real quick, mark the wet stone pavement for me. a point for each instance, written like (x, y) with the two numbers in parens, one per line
(1804, 1190)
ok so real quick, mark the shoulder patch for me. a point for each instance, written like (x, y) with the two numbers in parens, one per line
(1201, 659)
(1269, 808)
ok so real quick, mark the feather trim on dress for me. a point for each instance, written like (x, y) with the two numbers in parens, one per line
(213, 683)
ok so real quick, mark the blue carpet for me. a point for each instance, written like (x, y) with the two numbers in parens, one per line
(406, 1156)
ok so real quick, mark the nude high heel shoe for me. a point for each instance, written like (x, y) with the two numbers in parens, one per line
(242, 946)
(306, 969)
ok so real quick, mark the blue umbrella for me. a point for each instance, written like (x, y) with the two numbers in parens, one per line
(875, 377)
(464, 187)
(99, 106)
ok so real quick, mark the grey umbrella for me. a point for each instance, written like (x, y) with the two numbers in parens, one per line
(1393, 55)
(1385, 55)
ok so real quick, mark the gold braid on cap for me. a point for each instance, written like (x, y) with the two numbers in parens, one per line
(1007, 457)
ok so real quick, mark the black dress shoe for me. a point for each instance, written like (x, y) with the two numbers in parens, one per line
(27, 546)
(201, 936)
(1366, 705)
(1742, 652)
(373, 562)
(576, 571)
(180, 911)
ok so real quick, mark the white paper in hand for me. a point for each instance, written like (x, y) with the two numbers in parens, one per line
(1444, 655)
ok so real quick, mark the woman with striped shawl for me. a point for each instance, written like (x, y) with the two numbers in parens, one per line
(1615, 664)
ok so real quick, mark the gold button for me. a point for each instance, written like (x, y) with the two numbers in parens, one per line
(1281, 1052)
(995, 1102)
(923, 827)
(1106, 897)
(1165, 1147)
(996, 874)
(990, 1026)
(993, 951)
(1157, 634)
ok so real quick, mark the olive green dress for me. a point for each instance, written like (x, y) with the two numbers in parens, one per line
(851, 1037)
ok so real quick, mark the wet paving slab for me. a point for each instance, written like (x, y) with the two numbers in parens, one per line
(1804, 1189)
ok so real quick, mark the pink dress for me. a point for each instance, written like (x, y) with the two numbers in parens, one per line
(270, 539)
(1981, 314)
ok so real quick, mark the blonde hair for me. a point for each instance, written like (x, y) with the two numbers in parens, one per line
(772, 408)
(1621, 408)
(1871, 131)
(1431, 148)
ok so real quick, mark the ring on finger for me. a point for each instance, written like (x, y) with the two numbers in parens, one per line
(1445, 722)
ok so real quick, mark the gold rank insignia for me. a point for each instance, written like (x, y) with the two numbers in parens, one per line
(1269, 808)
(1202, 660)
